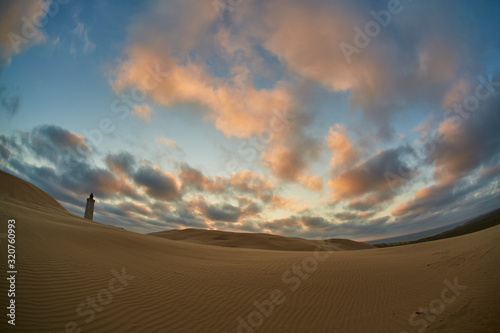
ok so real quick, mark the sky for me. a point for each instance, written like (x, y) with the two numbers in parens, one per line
(316, 119)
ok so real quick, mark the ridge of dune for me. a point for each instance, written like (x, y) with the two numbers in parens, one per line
(257, 240)
(12, 187)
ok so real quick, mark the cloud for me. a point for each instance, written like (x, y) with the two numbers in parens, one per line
(293, 204)
(389, 74)
(344, 153)
(244, 181)
(134, 209)
(9, 104)
(142, 195)
(240, 112)
(383, 79)
(370, 201)
(121, 163)
(225, 212)
(317, 227)
(291, 154)
(381, 174)
(56, 145)
(461, 146)
(315, 222)
(456, 93)
(250, 181)
(143, 111)
(169, 143)
(84, 179)
(235, 104)
(19, 27)
(191, 177)
(82, 32)
(425, 128)
(350, 216)
(346, 216)
(158, 184)
(256, 77)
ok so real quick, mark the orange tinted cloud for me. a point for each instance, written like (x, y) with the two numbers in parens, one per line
(236, 111)
(242, 181)
(343, 151)
(18, 29)
(277, 201)
(143, 111)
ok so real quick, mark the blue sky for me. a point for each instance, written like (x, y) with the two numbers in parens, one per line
(333, 119)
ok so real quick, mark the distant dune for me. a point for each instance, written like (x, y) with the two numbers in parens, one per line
(257, 240)
(75, 274)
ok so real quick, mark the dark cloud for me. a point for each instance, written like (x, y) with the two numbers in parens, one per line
(123, 162)
(361, 204)
(9, 104)
(464, 143)
(4, 152)
(195, 179)
(182, 217)
(461, 146)
(56, 145)
(284, 226)
(371, 201)
(315, 222)
(224, 212)
(7, 144)
(157, 183)
(132, 209)
(69, 172)
(316, 227)
(383, 174)
(346, 216)
(438, 198)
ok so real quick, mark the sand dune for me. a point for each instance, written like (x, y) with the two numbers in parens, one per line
(141, 283)
(257, 240)
(14, 188)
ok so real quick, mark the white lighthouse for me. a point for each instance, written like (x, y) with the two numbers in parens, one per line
(89, 210)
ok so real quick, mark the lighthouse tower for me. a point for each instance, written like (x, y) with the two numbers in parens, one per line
(89, 210)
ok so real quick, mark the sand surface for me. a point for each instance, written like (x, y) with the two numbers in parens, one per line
(64, 262)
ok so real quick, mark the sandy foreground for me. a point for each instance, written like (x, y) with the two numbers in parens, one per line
(75, 275)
